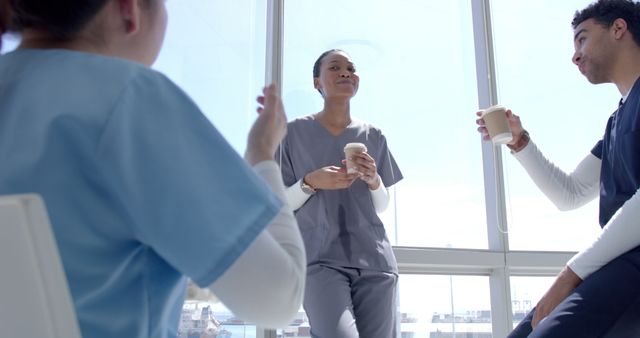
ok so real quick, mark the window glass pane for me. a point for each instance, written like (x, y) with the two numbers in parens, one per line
(204, 316)
(299, 327)
(427, 305)
(214, 50)
(563, 112)
(444, 306)
(525, 294)
(418, 86)
(9, 42)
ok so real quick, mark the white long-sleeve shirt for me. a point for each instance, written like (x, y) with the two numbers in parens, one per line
(296, 197)
(570, 191)
(265, 285)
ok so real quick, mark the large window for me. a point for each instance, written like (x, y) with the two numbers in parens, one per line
(424, 65)
(444, 306)
(525, 294)
(214, 50)
(563, 112)
(418, 85)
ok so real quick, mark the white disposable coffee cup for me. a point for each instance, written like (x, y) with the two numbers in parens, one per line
(495, 119)
(349, 151)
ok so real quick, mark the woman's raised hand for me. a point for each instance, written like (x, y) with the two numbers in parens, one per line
(268, 129)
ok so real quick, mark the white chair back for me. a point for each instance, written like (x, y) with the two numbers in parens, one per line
(34, 296)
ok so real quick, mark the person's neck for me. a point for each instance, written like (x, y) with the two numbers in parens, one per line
(32, 39)
(334, 116)
(628, 72)
(335, 113)
(625, 86)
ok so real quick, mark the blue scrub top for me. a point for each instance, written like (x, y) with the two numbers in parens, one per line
(619, 151)
(339, 227)
(141, 189)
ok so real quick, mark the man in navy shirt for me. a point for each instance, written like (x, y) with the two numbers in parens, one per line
(598, 293)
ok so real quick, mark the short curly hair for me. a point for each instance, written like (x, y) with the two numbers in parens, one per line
(605, 12)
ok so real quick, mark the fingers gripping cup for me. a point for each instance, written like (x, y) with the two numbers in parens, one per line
(349, 151)
(495, 119)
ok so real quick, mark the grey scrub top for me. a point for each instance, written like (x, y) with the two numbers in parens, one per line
(339, 227)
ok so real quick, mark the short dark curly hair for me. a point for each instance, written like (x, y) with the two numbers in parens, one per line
(605, 12)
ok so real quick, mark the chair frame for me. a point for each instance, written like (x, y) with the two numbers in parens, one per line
(34, 296)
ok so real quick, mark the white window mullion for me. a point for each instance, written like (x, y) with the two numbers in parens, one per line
(273, 74)
(274, 50)
(501, 311)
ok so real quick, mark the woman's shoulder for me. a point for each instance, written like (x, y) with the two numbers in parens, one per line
(301, 121)
(78, 80)
(137, 81)
(82, 69)
(141, 86)
(365, 126)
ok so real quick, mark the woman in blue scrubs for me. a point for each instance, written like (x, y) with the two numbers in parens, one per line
(141, 189)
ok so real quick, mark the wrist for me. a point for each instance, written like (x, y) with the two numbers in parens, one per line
(375, 183)
(521, 142)
(254, 155)
(306, 187)
(569, 277)
(306, 180)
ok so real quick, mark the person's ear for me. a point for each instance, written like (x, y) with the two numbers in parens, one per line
(619, 28)
(130, 13)
(316, 83)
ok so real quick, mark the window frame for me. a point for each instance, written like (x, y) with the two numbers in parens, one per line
(498, 262)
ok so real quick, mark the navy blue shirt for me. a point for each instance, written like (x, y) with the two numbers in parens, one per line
(619, 151)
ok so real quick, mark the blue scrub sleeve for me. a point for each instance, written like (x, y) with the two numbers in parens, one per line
(189, 196)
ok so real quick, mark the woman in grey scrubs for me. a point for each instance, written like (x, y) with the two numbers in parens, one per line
(352, 273)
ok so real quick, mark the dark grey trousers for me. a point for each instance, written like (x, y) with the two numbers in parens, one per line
(350, 303)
